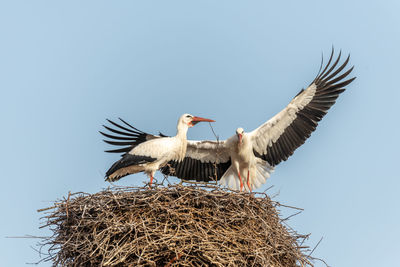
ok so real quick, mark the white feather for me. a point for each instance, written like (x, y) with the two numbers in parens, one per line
(230, 179)
(157, 148)
(258, 176)
(208, 151)
(270, 131)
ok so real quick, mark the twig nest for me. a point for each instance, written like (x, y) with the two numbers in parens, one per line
(171, 225)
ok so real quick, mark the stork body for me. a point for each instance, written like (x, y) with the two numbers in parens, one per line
(148, 153)
(247, 170)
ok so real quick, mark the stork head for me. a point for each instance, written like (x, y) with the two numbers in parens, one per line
(239, 133)
(191, 120)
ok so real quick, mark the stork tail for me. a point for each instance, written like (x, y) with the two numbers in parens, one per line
(258, 176)
(128, 164)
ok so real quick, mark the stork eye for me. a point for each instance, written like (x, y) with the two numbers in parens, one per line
(188, 116)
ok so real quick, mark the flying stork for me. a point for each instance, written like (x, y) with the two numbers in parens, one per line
(145, 152)
(253, 155)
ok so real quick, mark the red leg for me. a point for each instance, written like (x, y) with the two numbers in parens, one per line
(241, 182)
(151, 180)
(248, 179)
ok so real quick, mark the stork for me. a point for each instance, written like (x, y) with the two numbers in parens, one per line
(254, 155)
(145, 152)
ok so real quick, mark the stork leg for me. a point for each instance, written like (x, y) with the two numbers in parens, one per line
(241, 182)
(248, 180)
(151, 179)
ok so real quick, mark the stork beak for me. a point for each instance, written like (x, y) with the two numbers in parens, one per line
(240, 138)
(196, 120)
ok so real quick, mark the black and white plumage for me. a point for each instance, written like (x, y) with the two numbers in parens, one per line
(252, 156)
(145, 152)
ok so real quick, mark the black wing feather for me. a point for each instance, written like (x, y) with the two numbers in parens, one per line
(329, 87)
(126, 137)
(126, 161)
(193, 169)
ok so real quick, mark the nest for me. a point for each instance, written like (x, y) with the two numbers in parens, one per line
(171, 225)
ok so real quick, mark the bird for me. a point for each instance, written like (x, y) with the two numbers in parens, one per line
(145, 152)
(253, 156)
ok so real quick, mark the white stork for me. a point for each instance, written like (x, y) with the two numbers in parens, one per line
(145, 152)
(254, 155)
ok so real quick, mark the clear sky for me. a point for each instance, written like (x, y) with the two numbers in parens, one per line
(66, 66)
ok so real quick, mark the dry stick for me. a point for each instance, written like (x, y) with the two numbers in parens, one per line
(294, 214)
(212, 129)
(66, 203)
(27, 236)
(216, 153)
(44, 209)
(315, 246)
(268, 189)
(286, 206)
(165, 179)
(176, 258)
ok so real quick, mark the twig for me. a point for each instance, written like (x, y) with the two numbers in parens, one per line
(212, 129)
(315, 246)
(291, 207)
(287, 218)
(66, 204)
(216, 153)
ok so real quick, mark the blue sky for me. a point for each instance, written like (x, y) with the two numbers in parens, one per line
(67, 66)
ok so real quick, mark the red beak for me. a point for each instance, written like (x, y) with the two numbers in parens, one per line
(198, 119)
(240, 138)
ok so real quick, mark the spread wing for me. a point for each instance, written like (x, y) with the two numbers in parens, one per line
(204, 161)
(277, 139)
(127, 136)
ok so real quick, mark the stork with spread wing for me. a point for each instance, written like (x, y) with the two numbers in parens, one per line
(145, 152)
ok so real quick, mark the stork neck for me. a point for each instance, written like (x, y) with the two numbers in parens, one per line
(245, 141)
(182, 130)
